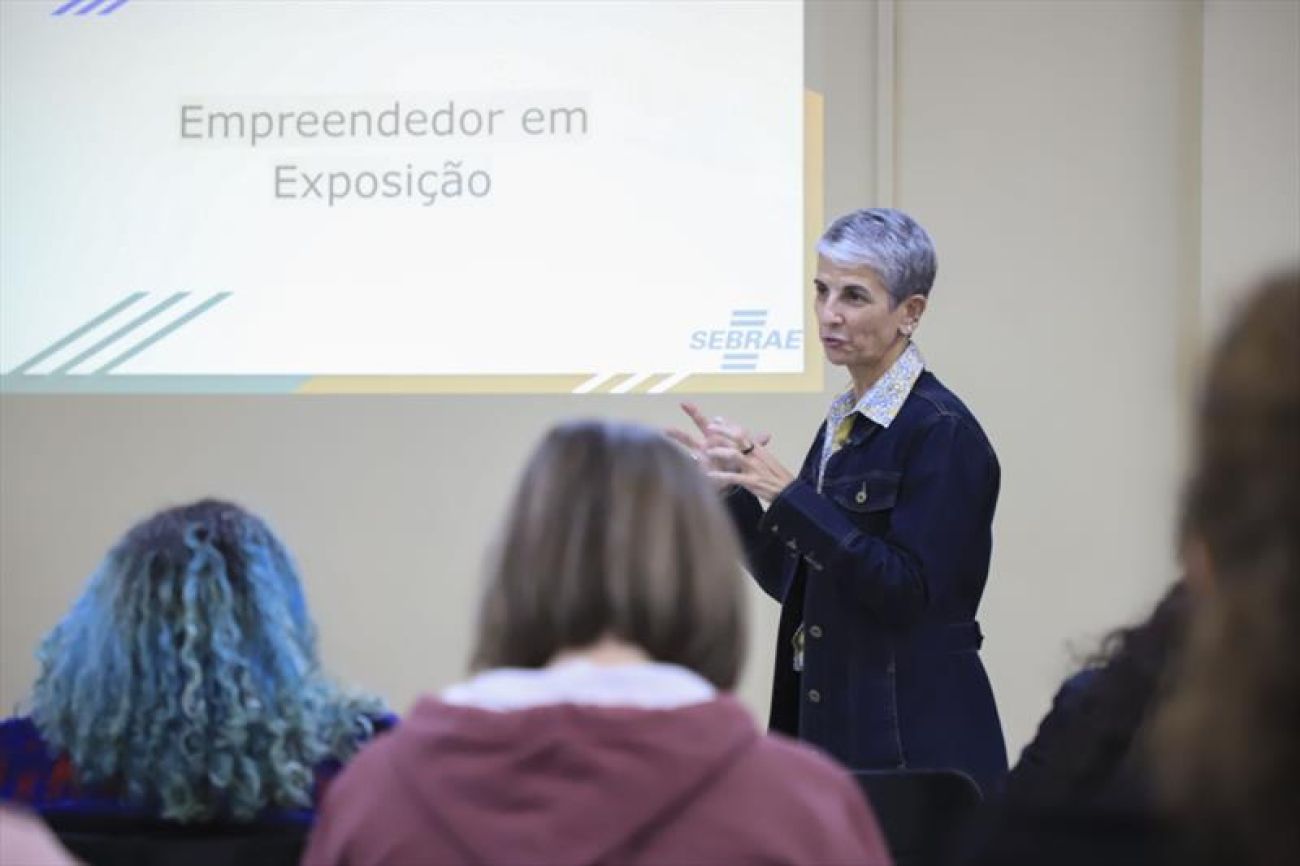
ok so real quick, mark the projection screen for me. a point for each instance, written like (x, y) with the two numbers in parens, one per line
(273, 197)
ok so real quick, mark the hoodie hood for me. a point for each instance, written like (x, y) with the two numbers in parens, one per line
(562, 782)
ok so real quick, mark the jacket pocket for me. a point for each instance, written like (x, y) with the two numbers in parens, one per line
(869, 499)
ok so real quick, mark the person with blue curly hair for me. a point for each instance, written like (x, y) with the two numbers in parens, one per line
(184, 685)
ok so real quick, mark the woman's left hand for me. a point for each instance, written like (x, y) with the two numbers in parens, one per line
(754, 467)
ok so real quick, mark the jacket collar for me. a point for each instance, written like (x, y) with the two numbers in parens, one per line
(885, 398)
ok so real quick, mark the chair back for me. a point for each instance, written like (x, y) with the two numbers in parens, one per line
(101, 842)
(922, 813)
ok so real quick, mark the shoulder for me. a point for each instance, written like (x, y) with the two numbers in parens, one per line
(1069, 701)
(31, 772)
(378, 728)
(20, 732)
(777, 753)
(811, 780)
(356, 795)
(371, 763)
(931, 399)
(1039, 773)
(23, 751)
(1075, 688)
(932, 406)
(814, 797)
(357, 807)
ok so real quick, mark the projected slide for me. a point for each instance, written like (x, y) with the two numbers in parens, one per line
(403, 196)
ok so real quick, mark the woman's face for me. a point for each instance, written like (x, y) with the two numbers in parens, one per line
(859, 325)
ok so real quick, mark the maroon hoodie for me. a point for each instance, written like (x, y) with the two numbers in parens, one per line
(584, 785)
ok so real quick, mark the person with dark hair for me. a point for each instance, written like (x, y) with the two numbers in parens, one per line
(184, 686)
(878, 549)
(1228, 739)
(1083, 791)
(598, 727)
(1180, 746)
(1088, 748)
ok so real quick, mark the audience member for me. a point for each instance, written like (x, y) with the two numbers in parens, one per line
(599, 726)
(1082, 790)
(184, 685)
(1229, 737)
(1206, 694)
(1088, 748)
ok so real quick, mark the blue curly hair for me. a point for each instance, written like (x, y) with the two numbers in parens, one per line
(187, 672)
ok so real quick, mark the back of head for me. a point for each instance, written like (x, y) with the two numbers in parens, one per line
(187, 674)
(614, 533)
(1228, 734)
(613, 540)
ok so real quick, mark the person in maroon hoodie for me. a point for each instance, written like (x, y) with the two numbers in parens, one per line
(600, 725)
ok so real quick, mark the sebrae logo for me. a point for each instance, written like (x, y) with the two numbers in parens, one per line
(746, 340)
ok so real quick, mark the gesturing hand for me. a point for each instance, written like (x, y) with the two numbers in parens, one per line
(730, 454)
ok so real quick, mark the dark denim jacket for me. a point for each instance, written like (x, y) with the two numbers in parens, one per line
(885, 568)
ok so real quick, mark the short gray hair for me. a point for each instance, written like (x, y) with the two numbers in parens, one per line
(889, 242)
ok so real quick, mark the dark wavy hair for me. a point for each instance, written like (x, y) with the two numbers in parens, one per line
(187, 673)
(1229, 736)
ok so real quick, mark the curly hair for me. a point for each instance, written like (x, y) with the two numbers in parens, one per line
(187, 674)
(1227, 736)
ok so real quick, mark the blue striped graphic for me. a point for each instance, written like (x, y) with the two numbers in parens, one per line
(121, 332)
(85, 7)
(740, 361)
(77, 334)
(163, 332)
(748, 318)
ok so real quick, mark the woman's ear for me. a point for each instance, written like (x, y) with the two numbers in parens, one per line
(912, 309)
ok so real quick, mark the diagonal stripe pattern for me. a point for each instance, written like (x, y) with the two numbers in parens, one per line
(120, 333)
(85, 7)
(163, 332)
(77, 334)
(159, 315)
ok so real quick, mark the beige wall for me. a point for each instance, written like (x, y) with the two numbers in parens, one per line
(1250, 196)
(1053, 148)
(1046, 145)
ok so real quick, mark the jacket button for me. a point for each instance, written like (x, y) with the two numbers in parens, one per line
(814, 696)
(815, 630)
